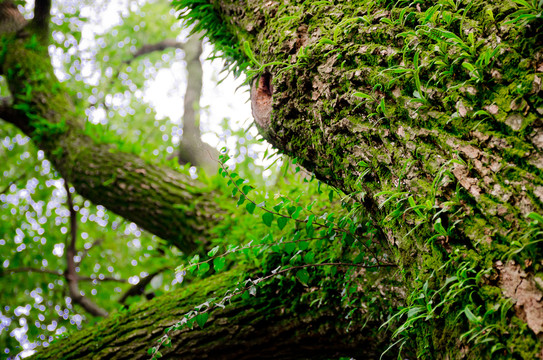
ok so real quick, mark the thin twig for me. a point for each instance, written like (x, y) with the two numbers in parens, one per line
(86, 251)
(139, 288)
(71, 274)
(31, 269)
(6, 189)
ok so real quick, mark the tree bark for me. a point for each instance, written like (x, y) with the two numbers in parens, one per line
(316, 118)
(260, 328)
(432, 117)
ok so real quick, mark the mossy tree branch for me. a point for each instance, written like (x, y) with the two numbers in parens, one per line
(159, 199)
(262, 328)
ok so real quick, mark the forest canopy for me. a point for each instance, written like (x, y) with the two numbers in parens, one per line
(385, 202)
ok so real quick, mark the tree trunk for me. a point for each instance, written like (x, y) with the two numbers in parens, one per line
(431, 116)
(432, 119)
(192, 149)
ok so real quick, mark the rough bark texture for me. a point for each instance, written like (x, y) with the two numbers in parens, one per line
(262, 328)
(317, 119)
(432, 115)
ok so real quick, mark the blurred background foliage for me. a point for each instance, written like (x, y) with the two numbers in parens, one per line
(134, 102)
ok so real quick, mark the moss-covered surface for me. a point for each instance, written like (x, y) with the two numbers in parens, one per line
(283, 326)
(442, 102)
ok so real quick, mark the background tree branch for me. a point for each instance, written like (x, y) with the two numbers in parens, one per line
(192, 149)
(71, 272)
(11, 20)
(42, 16)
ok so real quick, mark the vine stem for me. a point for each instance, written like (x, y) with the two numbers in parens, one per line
(289, 216)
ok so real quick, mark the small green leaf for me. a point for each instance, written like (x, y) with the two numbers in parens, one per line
(241, 200)
(438, 227)
(309, 257)
(266, 239)
(267, 218)
(303, 276)
(303, 245)
(282, 222)
(290, 247)
(191, 268)
(246, 188)
(201, 319)
(471, 316)
(195, 259)
(297, 212)
(218, 263)
(363, 95)
(310, 221)
(327, 42)
(213, 251)
(536, 217)
(250, 207)
(291, 210)
(203, 268)
(331, 195)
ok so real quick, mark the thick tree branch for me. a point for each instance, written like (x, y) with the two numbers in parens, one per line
(261, 329)
(131, 187)
(159, 199)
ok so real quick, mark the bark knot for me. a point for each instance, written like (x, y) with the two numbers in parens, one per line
(261, 100)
